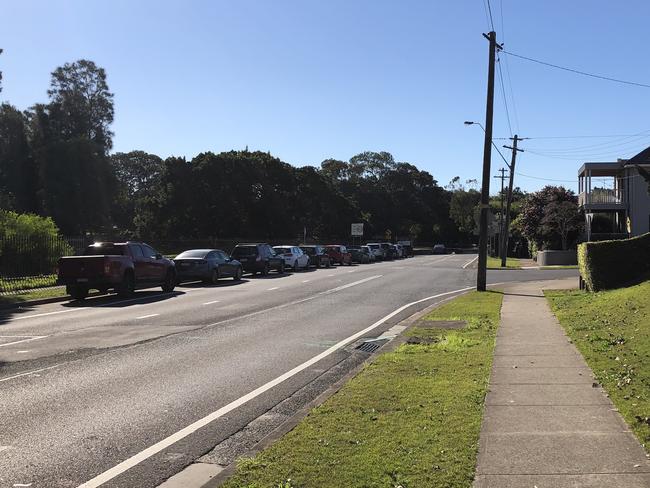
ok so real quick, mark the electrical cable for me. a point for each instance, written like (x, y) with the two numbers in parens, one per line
(572, 70)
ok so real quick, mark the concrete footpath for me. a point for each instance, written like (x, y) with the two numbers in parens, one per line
(546, 423)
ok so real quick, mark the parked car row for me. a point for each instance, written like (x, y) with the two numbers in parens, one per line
(122, 267)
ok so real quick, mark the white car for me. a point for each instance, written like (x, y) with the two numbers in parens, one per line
(294, 257)
(376, 250)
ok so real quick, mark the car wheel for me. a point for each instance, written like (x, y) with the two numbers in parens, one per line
(328, 265)
(170, 282)
(78, 292)
(265, 271)
(214, 279)
(295, 266)
(281, 270)
(127, 287)
(237, 275)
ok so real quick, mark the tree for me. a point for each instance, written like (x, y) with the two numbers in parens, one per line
(462, 209)
(530, 221)
(70, 139)
(81, 105)
(562, 218)
(18, 174)
(138, 177)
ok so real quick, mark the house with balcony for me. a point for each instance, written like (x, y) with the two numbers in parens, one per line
(615, 198)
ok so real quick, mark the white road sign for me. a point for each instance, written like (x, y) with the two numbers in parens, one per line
(356, 230)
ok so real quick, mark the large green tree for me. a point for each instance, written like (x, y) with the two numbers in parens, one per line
(18, 175)
(70, 139)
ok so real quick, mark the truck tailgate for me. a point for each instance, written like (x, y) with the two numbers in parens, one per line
(81, 268)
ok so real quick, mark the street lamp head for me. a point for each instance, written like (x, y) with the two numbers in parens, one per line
(469, 122)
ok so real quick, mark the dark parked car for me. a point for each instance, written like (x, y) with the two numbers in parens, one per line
(359, 255)
(258, 258)
(119, 266)
(338, 254)
(206, 264)
(439, 249)
(317, 256)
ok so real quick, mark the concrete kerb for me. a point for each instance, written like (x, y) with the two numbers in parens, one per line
(393, 343)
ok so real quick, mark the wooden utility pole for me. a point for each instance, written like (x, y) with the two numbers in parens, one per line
(502, 177)
(506, 229)
(481, 274)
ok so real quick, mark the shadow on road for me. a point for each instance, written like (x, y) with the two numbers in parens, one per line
(222, 283)
(139, 297)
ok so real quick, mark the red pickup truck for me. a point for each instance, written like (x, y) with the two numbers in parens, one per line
(120, 266)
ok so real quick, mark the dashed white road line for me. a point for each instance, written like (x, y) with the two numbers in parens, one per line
(329, 276)
(29, 338)
(28, 373)
(213, 301)
(306, 281)
(190, 429)
(147, 316)
(274, 288)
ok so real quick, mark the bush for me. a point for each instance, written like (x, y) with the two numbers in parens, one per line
(29, 245)
(610, 264)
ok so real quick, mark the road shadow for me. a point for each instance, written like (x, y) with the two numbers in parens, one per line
(222, 283)
(139, 297)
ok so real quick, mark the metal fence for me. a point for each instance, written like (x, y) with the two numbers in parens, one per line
(29, 262)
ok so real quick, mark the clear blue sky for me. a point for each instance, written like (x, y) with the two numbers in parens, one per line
(310, 80)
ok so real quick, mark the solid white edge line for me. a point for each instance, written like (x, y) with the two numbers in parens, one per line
(181, 434)
(31, 338)
(28, 373)
(469, 262)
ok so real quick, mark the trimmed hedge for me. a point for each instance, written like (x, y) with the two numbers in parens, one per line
(610, 264)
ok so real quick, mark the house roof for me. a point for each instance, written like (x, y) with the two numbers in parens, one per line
(642, 157)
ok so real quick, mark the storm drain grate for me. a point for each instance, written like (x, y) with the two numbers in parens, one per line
(371, 345)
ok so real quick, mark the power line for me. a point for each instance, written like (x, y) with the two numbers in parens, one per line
(503, 93)
(490, 11)
(603, 146)
(577, 137)
(544, 179)
(572, 70)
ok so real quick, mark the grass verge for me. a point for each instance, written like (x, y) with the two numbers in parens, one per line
(57, 291)
(411, 418)
(495, 263)
(612, 331)
(567, 266)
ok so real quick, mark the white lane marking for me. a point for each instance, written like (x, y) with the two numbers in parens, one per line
(213, 301)
(22, 352)
(352, 271)
(306, 281)
(469, 262)
(190, 429)
(30, 338)
(5, 448)
(147, 316)
(22, 485)
(28, 373)
(330, 275)
(274, 288)
(109, 304)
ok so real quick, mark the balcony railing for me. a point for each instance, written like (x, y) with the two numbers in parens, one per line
(602, 197)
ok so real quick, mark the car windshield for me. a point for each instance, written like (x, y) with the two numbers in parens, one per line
(282, 250)
(308, 250)
(245, 251)
(195, 253)
(105, 249)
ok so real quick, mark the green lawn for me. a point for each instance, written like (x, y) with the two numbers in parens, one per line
(612, 331)
(411, 418)
(58, 291)
(26, 283)
(495, 263)
(568, 266)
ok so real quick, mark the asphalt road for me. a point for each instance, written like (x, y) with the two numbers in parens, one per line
(106, 392)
